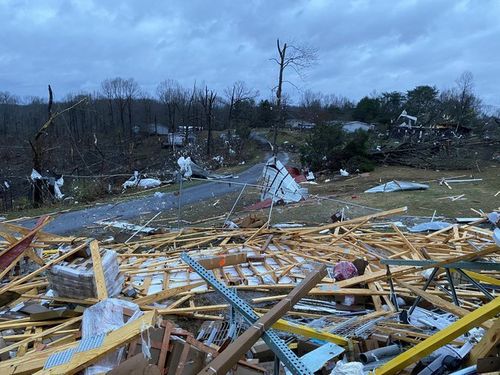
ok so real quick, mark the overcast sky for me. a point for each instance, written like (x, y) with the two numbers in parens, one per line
(363, 46)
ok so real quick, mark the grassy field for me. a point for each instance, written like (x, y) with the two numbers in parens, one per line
(347, 193)
(477, 195)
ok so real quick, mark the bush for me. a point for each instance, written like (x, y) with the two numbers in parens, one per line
(329, 147)
(243, 131)
(322, 146)
(359, 163)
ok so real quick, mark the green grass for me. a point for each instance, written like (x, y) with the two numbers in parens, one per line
(479, 195)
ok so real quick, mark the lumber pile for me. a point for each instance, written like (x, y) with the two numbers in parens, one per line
(410, 295)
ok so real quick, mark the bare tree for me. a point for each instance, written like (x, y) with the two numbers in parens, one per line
(123, 92)
(207, 100)
(107, 89)
(311, 105)
(7, 104)
(188, 103)
(131, 90)
(171, 94)
(460, 104)
(296, 58)
(236, 94)
(468, 103)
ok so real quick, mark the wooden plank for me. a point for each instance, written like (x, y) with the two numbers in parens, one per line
(147, 300)
(100, 281)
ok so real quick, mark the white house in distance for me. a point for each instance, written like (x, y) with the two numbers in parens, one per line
(352, 126)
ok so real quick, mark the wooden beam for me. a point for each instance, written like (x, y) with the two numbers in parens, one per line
(147, 300)
(489, 342)
(100, 281)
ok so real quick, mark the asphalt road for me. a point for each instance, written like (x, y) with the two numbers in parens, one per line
(74, 221)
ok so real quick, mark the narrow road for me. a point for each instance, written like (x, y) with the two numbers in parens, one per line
(69, 222)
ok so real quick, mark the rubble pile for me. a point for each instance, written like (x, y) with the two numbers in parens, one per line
(349, 297)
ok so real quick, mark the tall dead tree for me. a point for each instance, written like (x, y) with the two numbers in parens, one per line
(293, 57)
(207, 100)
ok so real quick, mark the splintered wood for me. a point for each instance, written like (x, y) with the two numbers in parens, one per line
(35, 324)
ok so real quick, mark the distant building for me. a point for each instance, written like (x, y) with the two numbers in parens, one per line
(352, 126)
(177, 139)
(156, 129)
(297, 124)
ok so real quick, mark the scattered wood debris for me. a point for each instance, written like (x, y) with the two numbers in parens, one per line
(391, 300)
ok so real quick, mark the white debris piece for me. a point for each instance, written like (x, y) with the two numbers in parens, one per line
(315, 360)
(344, 173)
(219, 159)
(279, 185)
(310, 176)
(429, 226)
(126, 226)
(57, 188)
(185, 165)
(394, 185)
(496, 236)
(348, 368)
(144, 183)
(35, 175)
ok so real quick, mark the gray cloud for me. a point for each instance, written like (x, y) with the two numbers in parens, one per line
(363, 45)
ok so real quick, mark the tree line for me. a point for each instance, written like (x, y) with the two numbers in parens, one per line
(458, 105)
(121, 107)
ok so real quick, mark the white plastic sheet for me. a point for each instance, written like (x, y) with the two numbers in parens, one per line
(185, 165)
(348, 368)
(144, 183)
(57, 188)
(104, 317)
